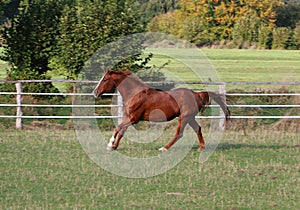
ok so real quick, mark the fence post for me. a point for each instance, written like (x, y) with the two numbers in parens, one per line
(120, 108)
(19, 105)
(222, 91)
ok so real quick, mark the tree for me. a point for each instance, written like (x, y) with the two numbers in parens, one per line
(30, 39)
(265, 9)
(152, 8)
(225, 18)
(8, 9)
(297, 36)
(281, 36)
(206, 21)
(90, 25)
(246, 29)
(193, 21)
(165, 23)
(288, 14)
(265, 36)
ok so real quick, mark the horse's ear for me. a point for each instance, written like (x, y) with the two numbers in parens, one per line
(109, 71)
(127, 72)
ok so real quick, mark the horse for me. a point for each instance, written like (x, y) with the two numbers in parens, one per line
(143, 103)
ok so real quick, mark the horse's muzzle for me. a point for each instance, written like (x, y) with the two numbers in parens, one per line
(96, 94)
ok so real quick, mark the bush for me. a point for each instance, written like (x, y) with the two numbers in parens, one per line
(246, 30)
(281, 36)
(296, 36)
(265, 37)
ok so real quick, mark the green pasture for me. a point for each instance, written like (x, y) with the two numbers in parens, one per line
(256, 65)
(48, 169)
(232, 65)
(3, 67)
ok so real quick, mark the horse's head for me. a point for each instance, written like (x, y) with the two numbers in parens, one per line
(106, 84)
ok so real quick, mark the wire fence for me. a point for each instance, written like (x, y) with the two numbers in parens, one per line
(19, 101)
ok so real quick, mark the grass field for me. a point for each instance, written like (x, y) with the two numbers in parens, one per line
(47, 169)
(256, 65)
(239, 66)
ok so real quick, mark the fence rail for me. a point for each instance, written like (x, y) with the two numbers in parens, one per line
(19, 97)
(117, 117)
(112, 106)
(177, 82)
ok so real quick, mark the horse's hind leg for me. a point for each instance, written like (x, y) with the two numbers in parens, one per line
(182, 122)
(193, 123)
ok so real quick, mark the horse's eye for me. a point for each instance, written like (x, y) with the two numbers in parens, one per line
(104, 80)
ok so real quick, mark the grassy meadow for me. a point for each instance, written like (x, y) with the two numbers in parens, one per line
(255, 166)
(256, 65)
(3, 67)
(239, 66)
(48, 169)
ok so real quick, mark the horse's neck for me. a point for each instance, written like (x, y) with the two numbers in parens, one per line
(130, 86)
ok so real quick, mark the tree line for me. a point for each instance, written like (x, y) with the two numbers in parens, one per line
(45, 36)
(267, 24)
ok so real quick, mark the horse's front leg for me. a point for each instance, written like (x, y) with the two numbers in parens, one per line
(120, 134)
(113, 138)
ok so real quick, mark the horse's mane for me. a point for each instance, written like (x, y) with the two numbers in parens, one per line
(129, 74)
(120, 72)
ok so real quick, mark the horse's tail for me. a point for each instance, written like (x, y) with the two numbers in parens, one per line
(218, 98)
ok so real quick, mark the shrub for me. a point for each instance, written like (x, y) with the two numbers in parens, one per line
(265, 37)
(296, 36)
(281, 36)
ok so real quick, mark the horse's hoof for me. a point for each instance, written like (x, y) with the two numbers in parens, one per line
(200, 149)
(108, 148)
(162, 149)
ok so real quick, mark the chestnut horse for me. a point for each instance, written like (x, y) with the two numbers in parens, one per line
(142, 102)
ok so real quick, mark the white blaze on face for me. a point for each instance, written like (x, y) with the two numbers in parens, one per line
(95, 90)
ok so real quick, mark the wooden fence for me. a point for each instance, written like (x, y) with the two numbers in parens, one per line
(19, 98)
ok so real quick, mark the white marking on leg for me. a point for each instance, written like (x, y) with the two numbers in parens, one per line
(162, 149)
(110, 144)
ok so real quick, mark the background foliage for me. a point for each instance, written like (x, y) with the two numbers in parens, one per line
(60, 36)
(241, 24)
(30, 38)
(89, 25)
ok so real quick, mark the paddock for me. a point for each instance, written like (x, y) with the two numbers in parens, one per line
(47, 168)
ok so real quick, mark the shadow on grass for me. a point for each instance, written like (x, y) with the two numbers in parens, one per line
(228, 146)
(220, 147)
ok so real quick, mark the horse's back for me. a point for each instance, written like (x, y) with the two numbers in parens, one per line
(190, 102)
(154, 105)
(166, 105)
